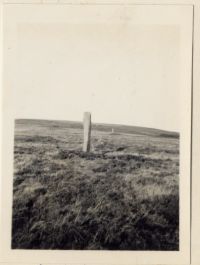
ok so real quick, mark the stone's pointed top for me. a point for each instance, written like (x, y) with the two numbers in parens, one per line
(87, 113)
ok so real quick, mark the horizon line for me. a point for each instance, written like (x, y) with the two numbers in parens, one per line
(100, 123)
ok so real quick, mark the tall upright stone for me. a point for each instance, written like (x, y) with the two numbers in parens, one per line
(87, 131)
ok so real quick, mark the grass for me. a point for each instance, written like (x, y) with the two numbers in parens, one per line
(123, 195)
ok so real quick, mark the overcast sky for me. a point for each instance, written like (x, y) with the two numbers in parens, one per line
(121, 72)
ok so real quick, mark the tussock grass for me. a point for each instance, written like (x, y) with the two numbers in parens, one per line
(124, 195)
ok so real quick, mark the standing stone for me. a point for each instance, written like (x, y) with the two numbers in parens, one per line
(87, 131)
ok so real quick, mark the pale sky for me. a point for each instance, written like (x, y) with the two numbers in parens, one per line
(123, 73)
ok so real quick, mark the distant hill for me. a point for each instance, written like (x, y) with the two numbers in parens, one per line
(101, 127)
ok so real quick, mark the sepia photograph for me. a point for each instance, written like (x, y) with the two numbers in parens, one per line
(110, 182)
(96, 96)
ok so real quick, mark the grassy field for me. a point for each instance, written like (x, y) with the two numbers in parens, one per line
(123, 195)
